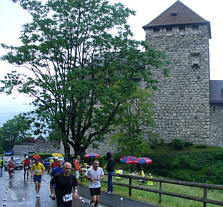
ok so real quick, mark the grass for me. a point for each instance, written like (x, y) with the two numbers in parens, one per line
(167, 201)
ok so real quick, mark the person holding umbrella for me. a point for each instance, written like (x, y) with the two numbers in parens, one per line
(110, 169)
(37, 170)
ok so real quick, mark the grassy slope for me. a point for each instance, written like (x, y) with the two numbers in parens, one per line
(168, 201)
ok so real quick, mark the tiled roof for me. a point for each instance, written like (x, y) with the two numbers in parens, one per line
(177, 14)
(216, 91)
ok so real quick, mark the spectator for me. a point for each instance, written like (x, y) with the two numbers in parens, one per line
(77, 167)
(110, 169)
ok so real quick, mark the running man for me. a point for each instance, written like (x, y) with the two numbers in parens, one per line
(37, 170)
(53, 164)
(59, 169)
(26, 163)
(11, 168)
(64, 183)
(1, 165)
(95, 174)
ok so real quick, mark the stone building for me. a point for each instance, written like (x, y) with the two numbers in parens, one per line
(41, 145)
(187, 105)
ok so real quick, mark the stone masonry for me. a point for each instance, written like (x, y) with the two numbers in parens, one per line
(181, 103)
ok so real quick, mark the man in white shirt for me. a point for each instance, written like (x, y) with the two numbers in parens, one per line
(95, 174)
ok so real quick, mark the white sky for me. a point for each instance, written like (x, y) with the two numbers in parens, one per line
(12, 17)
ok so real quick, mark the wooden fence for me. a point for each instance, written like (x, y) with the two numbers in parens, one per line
(204, 186)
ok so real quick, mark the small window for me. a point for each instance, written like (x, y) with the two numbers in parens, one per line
(169, 31)
(182, 30)
(156, 31)
(173, 14)
(195, 66)
(195, 53)
(195, 29)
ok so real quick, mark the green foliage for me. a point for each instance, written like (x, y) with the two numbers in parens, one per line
(205, 167)
(154, 142)
(129, 133)
(201, 146)
(81, 66)
(14, 131)
(177, 144)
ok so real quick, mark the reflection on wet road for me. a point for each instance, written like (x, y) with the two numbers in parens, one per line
(16, 192)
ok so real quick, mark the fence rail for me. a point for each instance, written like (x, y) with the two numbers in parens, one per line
(204, 186)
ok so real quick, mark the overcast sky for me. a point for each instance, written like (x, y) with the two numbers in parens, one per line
(12, 17)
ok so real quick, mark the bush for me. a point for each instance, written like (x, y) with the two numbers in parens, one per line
(188, 144)
(178, 144)
(204, 167)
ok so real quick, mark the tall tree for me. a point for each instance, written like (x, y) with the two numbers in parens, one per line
(132, 125)
(14, 131)
(82, 65)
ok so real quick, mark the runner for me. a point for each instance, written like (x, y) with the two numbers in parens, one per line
(95, 174)
(77, 167)
(26, 163)
(37, 169)
(64, 183)
(59, 169)
(53, 164)
(1, 165)
(11, 168)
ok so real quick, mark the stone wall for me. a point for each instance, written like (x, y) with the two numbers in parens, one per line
(37, 147)
(217, 124)
(181, 103)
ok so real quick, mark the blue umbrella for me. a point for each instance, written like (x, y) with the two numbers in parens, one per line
(128, 159)
(142, 160)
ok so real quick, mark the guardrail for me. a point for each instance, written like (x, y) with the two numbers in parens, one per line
(204, 186)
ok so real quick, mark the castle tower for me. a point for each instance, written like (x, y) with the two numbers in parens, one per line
(181, 103)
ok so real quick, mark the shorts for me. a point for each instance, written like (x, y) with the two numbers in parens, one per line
(95, 191)
(60, 203)
(77, 174)
(37, 178)
(26, 169)
(11, 171)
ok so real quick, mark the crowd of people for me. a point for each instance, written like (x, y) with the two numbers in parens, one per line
(63, 182)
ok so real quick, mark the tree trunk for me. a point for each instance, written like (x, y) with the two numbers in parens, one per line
(67, 152)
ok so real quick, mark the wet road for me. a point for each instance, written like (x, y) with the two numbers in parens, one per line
(16, 192)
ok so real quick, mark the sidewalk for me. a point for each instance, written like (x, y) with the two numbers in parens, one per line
(112, 200)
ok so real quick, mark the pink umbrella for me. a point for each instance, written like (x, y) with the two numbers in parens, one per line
(127, 159)
(91, 155)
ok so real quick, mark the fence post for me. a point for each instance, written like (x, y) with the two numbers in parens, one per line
(205, 197)
(130, 188)
(160, 194)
